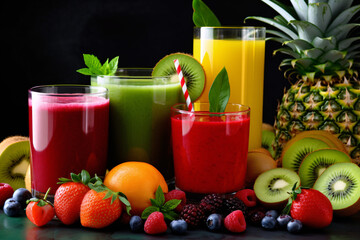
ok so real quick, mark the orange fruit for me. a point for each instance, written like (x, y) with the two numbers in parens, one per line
(138, 181)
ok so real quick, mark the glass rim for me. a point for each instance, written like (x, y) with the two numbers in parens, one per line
(234, 27)
(135, 79)
(175, 108)
(35, 90)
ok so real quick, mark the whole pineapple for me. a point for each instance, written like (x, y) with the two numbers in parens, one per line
(322, 41)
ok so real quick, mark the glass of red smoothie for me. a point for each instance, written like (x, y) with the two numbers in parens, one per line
(68, 129)
(210, 149)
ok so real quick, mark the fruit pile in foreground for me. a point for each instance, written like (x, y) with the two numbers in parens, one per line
(320, 43)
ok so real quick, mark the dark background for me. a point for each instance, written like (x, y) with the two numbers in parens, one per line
(43, 43)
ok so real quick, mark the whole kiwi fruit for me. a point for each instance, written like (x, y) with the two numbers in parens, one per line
(192, 70)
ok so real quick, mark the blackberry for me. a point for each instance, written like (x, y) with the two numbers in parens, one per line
(193, 215)
(231, 204)
(256, 217)
(211, 203)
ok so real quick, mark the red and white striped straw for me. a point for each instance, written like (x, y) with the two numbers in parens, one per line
(183, 85)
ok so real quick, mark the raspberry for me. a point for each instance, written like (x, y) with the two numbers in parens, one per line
(235, 221)
(211, 203)
(193, 215)
(155, 223)
(6, 191)
(176, 194)
(232, 203)
(247, 196)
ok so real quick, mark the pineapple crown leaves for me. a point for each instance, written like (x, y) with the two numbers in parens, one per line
(98, 186)
(159, 205)
(82, 177)
(316, 30)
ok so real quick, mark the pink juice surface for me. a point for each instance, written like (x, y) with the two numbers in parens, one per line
(67, 137)
(210, 154)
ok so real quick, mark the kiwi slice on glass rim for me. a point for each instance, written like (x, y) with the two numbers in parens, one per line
(340, 183)
(192, 70)
(272, 187)
(315, 163)
(14, 160)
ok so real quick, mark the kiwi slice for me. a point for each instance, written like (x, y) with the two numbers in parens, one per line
(192, 70)
(315, 163)
(14, 160)
(340, 183)
(272, 187)
(294, 155)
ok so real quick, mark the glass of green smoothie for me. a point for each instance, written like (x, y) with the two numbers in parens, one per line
(139, 123)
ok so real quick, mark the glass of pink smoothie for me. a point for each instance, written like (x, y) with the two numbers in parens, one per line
(210, 149)
(68, 129)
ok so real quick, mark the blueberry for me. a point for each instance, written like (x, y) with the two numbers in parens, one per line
(268, 222)
(214, 222)
(272, 213)
(283, 220)
(294, 226)
(136, 224)
(178, 226)
(12, 208)
(22, 195)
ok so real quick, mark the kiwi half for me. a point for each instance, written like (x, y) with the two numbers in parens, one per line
(315, 163)
(294, 155)
(340, 183)
(14, 160)
(272, 187)
(192, 70)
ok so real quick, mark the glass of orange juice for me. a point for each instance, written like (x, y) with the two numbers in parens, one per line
(242, 51)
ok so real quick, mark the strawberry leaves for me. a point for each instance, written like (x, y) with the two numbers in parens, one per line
(293, 195)
(159, 205)
(98, 186)
(41, 202)
(83, 177)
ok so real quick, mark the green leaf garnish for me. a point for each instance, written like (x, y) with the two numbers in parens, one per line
(94, 66)
(159, 205)
(203, 16)
(219, 93)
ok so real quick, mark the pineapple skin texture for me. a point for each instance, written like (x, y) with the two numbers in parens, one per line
(320, 106)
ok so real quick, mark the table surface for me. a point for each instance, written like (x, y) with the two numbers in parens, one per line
(21, 228)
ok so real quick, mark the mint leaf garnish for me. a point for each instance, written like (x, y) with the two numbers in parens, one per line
(219, 93)
(159, 205)
(203, 16)
(94, 66)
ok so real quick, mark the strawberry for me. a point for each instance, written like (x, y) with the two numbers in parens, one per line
(155, 223)
(69, 195)
(40, 211)
(311, 207)
(101, 207)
